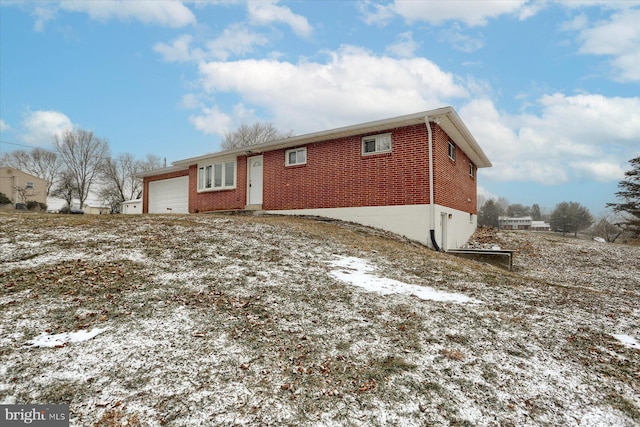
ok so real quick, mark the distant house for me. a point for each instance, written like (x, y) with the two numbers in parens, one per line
(96, 209)
(514, 223)
(132, 207)
(15, 184)
(522, 223)
(413, 175)
(540, 226)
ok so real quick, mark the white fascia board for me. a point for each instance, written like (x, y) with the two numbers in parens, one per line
(450, 120)
(460, 134)
(161, 171)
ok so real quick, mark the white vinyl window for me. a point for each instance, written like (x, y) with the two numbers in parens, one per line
(452, 151)
(375, 144)
(472, 170)
(297, 156)
(217, 176)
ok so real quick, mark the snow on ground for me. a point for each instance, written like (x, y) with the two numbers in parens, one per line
(627, 341)
(358, 272)
(215, 320)
(58, 340)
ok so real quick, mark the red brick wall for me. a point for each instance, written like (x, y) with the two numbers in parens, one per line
(219, 199)
(453, 186)
(148, 179)
(338, 175)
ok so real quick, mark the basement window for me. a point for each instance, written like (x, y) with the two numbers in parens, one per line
(375, 144)
(452, 151)
(217, 176)
(297, 156)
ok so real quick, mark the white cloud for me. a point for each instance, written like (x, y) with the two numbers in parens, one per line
(618, 38)
(236, 40)
(179, 50)
(268, 12)
(604, 171)
(375, 13)
(41, 126)
(472, 13)
(191, 101)
(310, 96)
(404, 47)
(43, 14)
(587, 137)
(460, 41)
(167, 13)
(4, 126)
(212, 121)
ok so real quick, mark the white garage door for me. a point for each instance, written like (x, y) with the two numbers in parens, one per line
(169, 195)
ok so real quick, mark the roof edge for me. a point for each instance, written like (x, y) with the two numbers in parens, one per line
(455, 128)
(154, 172)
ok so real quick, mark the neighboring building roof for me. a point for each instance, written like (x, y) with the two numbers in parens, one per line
(515, 218)
(10, 170)
(445, 117)
(540, 224)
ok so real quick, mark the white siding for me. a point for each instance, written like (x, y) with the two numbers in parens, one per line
(411, 221)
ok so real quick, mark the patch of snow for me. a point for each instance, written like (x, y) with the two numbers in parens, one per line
(627, 341)
(57, 340)
(599, 240)
(357, 272)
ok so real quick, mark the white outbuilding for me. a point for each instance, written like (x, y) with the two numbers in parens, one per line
(132, 206)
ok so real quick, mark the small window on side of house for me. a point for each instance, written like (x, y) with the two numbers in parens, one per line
(472, 170)
(29, 185)
(375, 144)
(297, 156)
(452, 151)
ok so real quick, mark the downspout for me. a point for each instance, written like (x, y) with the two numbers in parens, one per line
(432, 231)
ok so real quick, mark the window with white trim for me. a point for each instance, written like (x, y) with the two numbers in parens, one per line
(375, 144)
(472, 170)
(217, 176)
(297, 156)
(452, 151)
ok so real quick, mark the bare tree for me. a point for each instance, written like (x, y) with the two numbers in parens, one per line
(119, 182)
(256, 133)
(66, 188)
(83, 155)
(151, 162)
(607, 230)
(24, 194)
(38, 162)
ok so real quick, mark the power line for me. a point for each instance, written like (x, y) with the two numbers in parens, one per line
(26, 146)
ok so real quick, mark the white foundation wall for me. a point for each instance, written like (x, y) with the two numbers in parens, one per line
(410, 221)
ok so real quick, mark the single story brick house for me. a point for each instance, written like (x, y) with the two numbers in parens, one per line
(378, 174)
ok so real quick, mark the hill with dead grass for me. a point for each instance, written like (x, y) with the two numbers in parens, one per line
(214, 320)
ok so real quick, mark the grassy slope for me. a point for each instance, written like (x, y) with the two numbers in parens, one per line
(236, 320)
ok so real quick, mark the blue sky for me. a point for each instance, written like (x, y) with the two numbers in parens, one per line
(550, 89)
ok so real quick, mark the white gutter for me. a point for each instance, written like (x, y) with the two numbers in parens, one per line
(432, 204)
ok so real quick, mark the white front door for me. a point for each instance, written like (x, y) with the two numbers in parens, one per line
(255, 180)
